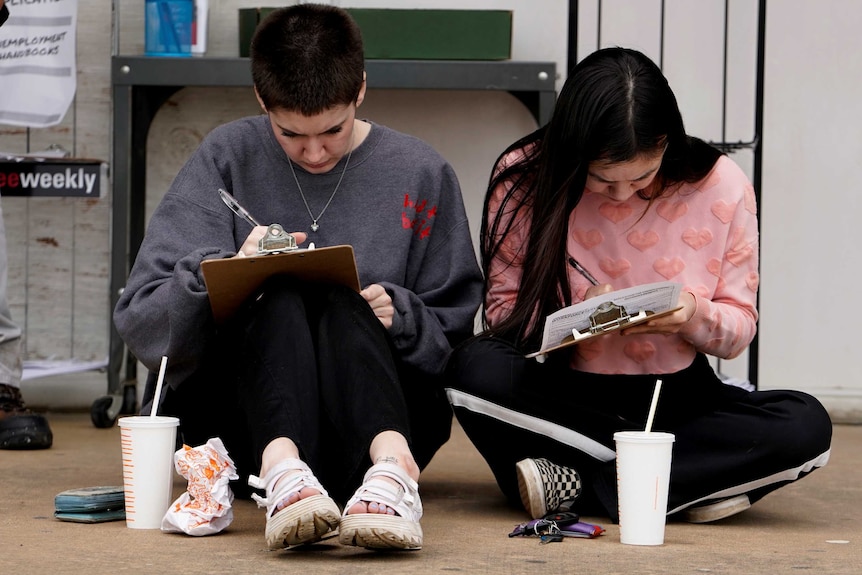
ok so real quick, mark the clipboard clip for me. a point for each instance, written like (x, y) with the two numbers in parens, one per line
(607, 317)
(276, 241)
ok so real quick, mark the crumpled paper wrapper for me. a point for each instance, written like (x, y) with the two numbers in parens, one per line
(205, 508)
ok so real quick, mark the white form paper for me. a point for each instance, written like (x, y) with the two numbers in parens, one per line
(655, 298)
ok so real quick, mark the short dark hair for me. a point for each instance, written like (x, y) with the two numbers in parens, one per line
(307, 58)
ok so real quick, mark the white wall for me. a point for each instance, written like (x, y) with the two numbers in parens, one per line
(812, 202)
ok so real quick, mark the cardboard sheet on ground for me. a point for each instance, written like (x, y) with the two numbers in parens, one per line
(231, 281)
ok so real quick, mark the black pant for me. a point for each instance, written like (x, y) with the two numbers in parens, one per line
(728, 441)
(313, 364)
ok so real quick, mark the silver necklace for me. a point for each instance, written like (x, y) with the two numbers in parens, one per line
(314, 225)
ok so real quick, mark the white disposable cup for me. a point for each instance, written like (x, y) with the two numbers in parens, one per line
(148, 445)
(643, 476)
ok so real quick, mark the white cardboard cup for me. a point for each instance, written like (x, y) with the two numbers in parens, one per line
(643, 476)
(148, 445)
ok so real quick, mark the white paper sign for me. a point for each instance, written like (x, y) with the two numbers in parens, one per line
(37, 62)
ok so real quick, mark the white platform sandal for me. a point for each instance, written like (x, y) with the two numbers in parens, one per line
(379, 531)
(306, 521)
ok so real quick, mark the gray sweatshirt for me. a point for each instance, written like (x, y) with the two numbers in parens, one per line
(399, 206)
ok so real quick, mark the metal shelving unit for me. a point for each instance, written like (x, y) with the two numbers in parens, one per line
(140, 85)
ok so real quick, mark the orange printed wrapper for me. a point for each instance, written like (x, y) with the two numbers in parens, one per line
(205, 508)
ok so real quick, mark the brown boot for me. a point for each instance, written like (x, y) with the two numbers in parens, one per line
(20, 428)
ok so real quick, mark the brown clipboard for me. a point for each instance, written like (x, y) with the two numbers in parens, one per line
(231, 281)
(572, 339)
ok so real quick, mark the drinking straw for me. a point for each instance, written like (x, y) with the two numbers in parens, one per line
(653, 406)
(158, 395)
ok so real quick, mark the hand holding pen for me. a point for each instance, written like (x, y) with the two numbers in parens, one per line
(252, 242)
(597, 287)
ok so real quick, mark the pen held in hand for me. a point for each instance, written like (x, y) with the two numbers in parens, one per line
(583, 271)
(234, 206)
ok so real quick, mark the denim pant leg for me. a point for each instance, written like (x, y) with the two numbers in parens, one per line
(10, 332)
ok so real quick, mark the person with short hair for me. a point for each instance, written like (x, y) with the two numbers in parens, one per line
(334, 398)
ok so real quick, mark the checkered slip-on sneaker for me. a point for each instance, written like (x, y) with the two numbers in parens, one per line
(546, 487)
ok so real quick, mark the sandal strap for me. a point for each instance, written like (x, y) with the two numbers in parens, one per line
(403, 498)
(301, 477)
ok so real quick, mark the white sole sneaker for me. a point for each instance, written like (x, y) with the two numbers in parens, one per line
(306, 521)
(377, 531)
(531, 488)
(718, 510)
(385, 484)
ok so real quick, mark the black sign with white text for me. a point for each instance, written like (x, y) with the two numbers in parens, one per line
(48, 178)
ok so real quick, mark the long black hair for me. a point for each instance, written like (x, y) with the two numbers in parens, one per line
(615, 106)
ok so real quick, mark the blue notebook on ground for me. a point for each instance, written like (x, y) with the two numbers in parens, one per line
(90, 504)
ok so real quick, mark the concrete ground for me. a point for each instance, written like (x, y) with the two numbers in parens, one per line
(814, 525)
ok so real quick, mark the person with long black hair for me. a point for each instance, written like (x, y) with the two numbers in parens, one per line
(614, 192)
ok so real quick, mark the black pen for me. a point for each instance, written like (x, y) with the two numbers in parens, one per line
(234, 206)
(583, 271)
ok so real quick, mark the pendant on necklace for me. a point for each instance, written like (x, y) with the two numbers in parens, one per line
(314, 226)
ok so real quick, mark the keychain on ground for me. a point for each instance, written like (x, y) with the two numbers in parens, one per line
(554, 527)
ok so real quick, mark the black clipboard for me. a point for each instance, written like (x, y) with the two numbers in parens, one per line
(231, 281)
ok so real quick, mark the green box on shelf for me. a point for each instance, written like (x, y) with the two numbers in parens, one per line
(416, 34)
(249, 18)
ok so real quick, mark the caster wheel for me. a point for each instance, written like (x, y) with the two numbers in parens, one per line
(99, 412)
(130, 400)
